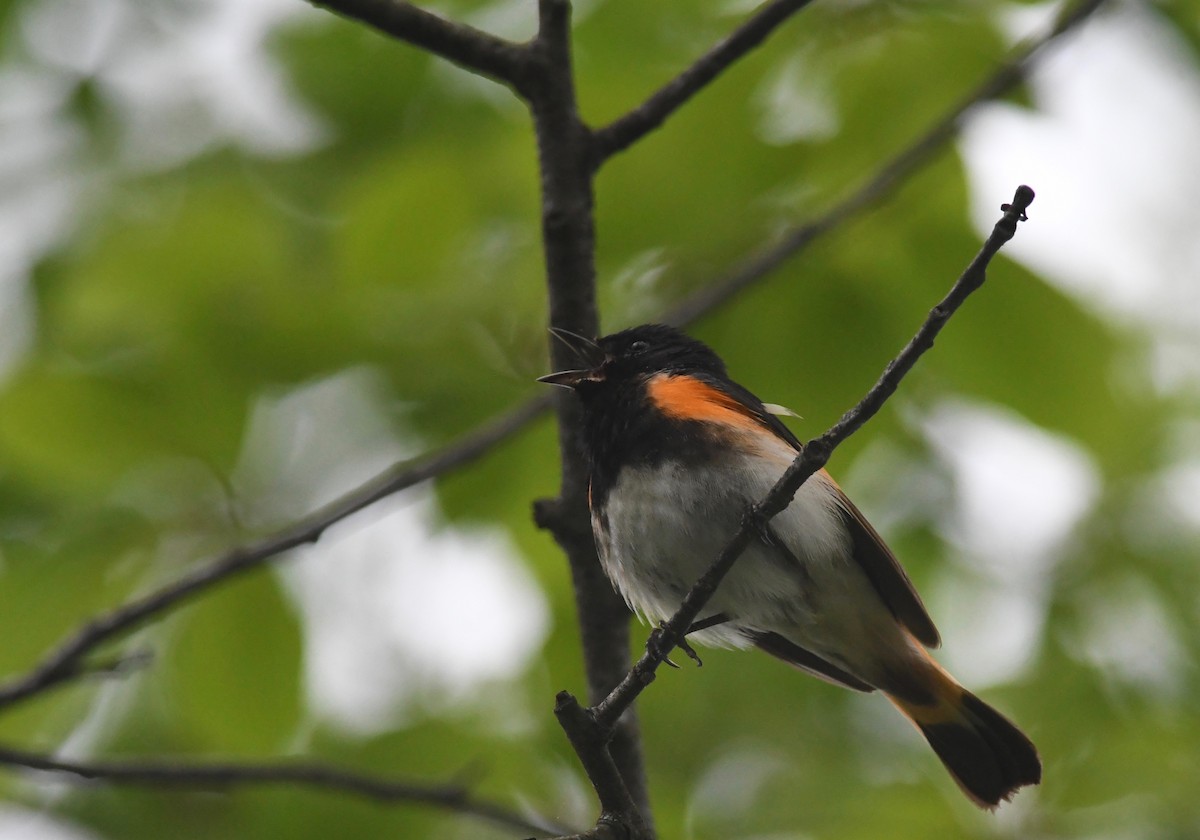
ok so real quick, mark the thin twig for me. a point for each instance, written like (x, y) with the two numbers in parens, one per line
(472, 49)
(67, 661)
(814, 455)
(455, 798)
(886, 180)
(633, 126)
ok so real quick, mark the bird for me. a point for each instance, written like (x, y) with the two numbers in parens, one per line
(677, 452)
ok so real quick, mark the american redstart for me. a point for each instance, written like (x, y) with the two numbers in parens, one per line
(677, 453)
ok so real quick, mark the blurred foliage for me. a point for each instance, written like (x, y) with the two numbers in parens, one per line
(404, 239)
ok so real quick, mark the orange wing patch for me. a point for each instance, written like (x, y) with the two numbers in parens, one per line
(687, 398)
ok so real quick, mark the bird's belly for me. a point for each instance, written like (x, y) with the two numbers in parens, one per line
(666, 524)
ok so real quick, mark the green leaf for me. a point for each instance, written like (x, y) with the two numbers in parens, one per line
(233, 670)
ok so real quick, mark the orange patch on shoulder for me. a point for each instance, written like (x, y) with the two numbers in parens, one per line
(687, 398)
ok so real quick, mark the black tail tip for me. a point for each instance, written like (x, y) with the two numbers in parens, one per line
(985, 753)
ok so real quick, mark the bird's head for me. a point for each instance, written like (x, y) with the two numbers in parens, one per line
(631, 355)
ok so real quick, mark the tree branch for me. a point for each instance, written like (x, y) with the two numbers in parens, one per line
(592, 747)
(813, 457)
(627, 130)
(472, 49)
(886, 180)
(565, 151)
(68, 660)
(454, 798)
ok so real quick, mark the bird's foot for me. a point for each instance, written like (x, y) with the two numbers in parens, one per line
(656, 647)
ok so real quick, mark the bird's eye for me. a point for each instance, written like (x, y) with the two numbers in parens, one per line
(638, 347)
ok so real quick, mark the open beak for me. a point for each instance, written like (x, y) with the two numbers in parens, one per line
(586, 350)
(565, 378)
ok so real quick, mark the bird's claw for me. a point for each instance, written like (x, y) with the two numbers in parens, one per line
(655, 646)
(691, 653)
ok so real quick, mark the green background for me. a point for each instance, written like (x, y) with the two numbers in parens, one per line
(404, 248)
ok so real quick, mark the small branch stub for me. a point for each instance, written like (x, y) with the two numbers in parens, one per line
(1020, 204)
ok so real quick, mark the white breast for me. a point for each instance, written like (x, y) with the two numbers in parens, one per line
(668, 523)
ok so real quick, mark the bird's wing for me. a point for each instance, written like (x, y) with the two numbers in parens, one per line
(807, 661)
(759, 411)
(885, 572)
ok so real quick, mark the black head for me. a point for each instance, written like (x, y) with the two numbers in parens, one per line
(634, 354)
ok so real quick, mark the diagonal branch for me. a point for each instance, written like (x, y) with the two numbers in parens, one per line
(886, 180)
(451, 797)
(69, 659)
(470, 48)
(588, 730)
(813, 457)
(627, 130)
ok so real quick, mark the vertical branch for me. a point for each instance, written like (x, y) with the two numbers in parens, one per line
(565, 155)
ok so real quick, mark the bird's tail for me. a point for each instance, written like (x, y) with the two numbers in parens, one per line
(985, 753)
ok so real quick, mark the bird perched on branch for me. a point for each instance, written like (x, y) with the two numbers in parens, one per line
(678, 452)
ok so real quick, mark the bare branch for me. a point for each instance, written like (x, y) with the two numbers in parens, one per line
(565, 151)
(472, 49)
(815, 454)
(627, 130)
(886, 180)
(454, 798)
(591, 745)
(68, 660)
